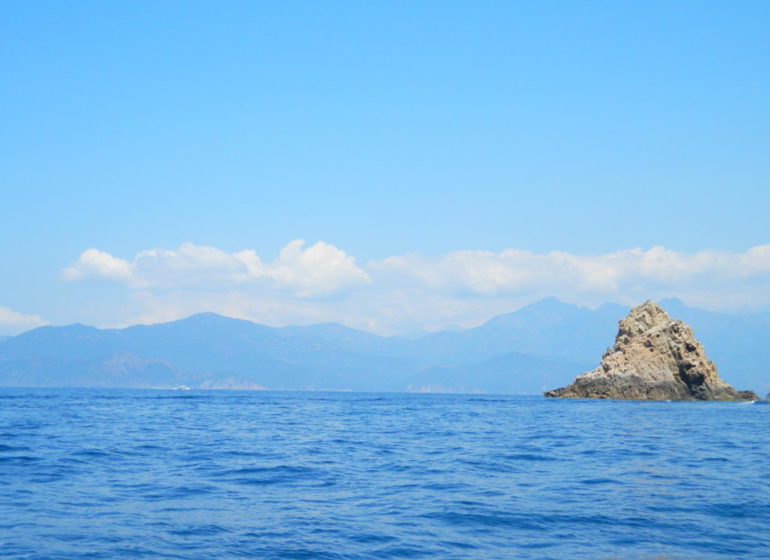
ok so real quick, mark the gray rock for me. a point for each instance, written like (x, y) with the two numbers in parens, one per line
(654, 358)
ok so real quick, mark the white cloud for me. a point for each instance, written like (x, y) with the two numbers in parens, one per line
(755, 261)
(514, 271)
(406, 292)
(12, 322)
(93, 262)
(317, 271)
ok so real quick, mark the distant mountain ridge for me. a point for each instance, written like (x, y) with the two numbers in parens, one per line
(538, 347)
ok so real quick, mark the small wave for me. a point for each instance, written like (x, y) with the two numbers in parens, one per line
(12, 449)
(264, 476)
(595, 481)
(19, 459)
(528, 457)
(200, 531)
(91, 453)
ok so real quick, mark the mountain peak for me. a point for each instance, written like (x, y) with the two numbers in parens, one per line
(209, 317)
(550, 304)
(548, 301)
(205, 315)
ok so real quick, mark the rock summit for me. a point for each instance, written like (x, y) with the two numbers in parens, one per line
(654, 358)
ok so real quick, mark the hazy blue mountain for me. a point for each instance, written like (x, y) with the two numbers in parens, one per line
(562, 333)
(549, 329)
(4, 338)
(552, 330)
(118, 370)
(207, 344)
(542, 345)
(510, 373)
(415, 334)
(352, 340)
(454, 328)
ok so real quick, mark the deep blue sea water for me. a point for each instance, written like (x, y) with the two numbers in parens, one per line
(188, 474)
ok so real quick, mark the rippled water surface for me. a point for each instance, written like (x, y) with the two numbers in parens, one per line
(187, 474)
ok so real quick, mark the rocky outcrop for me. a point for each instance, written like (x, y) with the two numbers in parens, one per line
(654, 358)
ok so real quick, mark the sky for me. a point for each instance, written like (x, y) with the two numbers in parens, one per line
(388, 165)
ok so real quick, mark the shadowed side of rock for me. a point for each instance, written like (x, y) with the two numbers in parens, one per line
(633, 387)
(654, 358)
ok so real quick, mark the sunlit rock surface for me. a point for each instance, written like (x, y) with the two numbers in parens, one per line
(654, 358)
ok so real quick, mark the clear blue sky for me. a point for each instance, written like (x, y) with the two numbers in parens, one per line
(382, 128)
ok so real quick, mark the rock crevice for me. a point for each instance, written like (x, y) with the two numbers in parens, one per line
(654, 358)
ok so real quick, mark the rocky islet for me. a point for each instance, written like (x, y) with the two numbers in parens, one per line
(654, 358)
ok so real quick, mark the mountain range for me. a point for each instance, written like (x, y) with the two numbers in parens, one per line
(541, 346)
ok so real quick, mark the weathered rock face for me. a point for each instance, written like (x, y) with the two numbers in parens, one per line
(654, 358)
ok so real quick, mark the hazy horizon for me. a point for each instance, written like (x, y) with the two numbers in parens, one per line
(416, 333)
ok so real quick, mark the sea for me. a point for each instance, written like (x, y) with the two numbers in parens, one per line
(97, 473)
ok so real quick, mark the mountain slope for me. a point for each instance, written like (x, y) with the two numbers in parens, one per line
(202, 344)
(515, 351)
(512, 373)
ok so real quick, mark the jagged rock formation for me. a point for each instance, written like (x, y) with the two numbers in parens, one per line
(654, 358)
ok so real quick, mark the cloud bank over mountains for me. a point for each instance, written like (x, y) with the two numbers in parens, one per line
(13, 322)
(321, 282)
(489, 274)
(319, 270)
